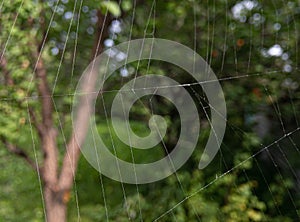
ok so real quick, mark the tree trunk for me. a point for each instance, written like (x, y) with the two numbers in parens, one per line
(57, 184)
(53, 197)
(56, 207)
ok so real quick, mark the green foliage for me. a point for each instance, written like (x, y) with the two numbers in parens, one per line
(112, 7)
(237, 186)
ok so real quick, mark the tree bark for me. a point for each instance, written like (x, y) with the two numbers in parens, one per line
(56, 208)
(57, 186)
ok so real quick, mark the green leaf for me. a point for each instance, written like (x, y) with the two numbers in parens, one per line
(112, 7)
(126, 5)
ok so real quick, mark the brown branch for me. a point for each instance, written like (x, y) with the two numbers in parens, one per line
(10, 147)
(41, 75)
(82, 119)
(7, 78)
(39, 127)
(21, 153)
(48, 133)
(44, 30)
(44, 92)
(46, 130)
(101, 34)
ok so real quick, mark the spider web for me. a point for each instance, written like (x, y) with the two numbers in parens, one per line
(269, 151)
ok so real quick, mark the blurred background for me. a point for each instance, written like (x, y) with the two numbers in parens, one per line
(252, 47)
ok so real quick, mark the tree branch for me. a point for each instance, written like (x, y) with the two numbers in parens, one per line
(7, 78)
(10, 147)
(82, 119)
(21, 153)
(47, 132)
(44, 91)
(39, 127)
